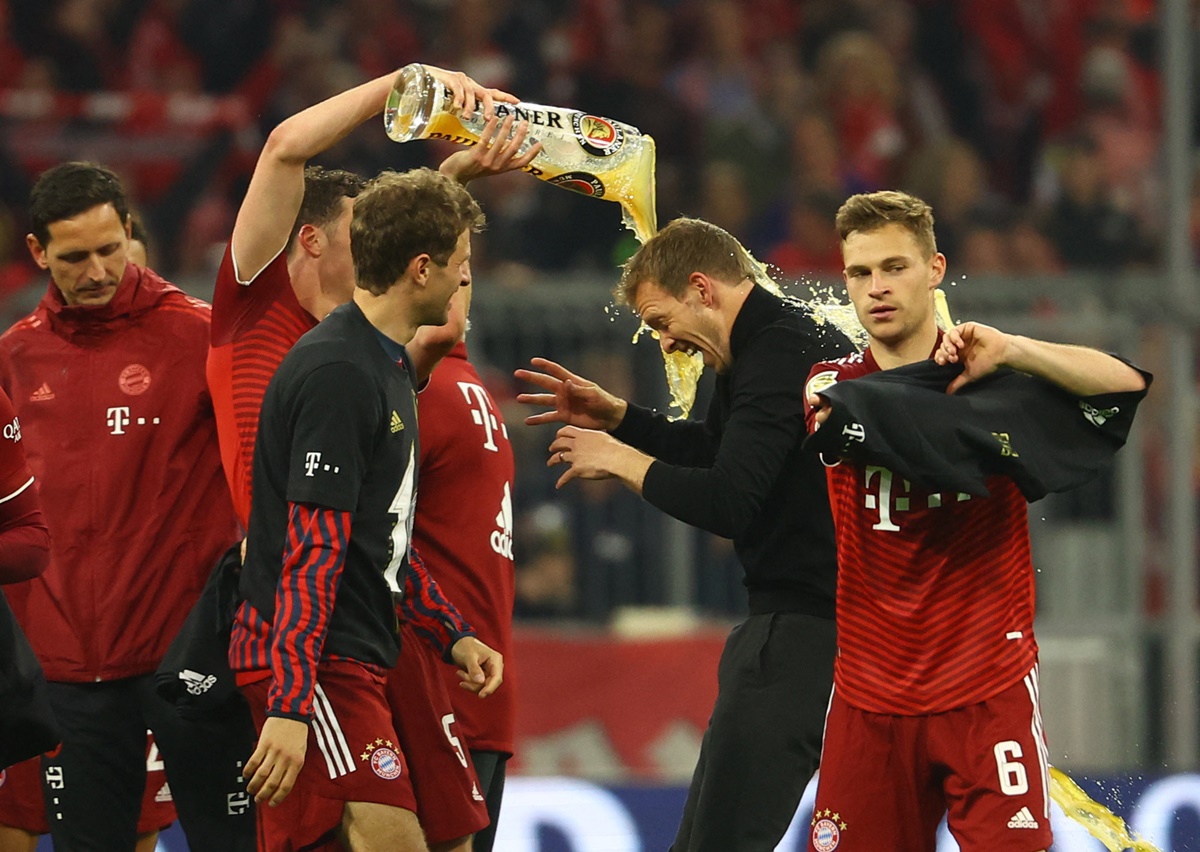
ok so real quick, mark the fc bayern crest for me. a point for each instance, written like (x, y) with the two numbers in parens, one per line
(134, 379)
(826, 835)
(386, 763)
(598, 136)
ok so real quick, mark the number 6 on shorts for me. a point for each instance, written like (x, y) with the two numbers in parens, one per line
(1013, 781)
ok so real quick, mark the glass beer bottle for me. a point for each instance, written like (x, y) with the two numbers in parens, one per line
(585, 153)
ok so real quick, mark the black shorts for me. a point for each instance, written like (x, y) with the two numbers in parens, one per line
(93, 784)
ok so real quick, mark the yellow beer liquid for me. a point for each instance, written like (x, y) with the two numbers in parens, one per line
(1100, 822)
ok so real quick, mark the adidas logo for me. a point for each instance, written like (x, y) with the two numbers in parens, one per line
(197, 684)
(42, 394)
(397, 423)
(1023, 819)
(164, 794)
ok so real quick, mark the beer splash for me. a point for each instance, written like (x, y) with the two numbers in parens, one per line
(1100, 822)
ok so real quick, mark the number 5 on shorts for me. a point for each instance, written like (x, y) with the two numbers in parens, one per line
(447, 721)
(1013, 781)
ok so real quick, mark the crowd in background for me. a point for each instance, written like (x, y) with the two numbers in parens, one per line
(1033, 128)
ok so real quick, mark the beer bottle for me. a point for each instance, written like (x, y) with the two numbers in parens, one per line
(585, 153)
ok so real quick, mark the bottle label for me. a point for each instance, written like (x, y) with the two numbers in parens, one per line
(598, 136)
(580, 182)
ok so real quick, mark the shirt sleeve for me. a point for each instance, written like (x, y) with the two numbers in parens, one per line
(765, 425)
(313, 559)
(432, 616)
(237, 305)
(334, 425)
(24, 538)
(683, 442)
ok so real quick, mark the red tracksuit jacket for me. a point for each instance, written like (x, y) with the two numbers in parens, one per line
(119, 431)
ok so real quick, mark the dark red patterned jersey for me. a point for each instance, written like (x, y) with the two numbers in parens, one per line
(935, 592)
(254, 324)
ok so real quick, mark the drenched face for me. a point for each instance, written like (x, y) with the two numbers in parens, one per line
(891, 282)
(85, 255)
(683, 325)
(445, 281)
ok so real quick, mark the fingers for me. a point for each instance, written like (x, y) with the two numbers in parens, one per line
(542, 380)
(495, 674)
(959, 380)
(557, 370)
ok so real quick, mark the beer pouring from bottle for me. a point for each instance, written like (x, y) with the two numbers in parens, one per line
(585, 153)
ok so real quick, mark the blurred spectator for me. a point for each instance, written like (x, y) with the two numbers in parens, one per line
(812, 245)
(860, 88)
(1088, 228)
(546, 565)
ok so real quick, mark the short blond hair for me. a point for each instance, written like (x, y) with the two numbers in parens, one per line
(669, 258)
(870, 210)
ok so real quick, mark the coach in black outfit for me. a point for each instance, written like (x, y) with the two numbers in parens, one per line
(741, 474)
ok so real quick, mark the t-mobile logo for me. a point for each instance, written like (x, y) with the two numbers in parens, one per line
(481, 413)
(312, 462)
(118, 419)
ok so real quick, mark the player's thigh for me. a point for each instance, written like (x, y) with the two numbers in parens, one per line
(22, 810)
(92, 785)
(876, 789)
(373, 827)
(997, 792)
(17, 839)
(450, 804)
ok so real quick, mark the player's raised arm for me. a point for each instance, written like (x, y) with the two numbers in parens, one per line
(277, 187)
(1079, 370)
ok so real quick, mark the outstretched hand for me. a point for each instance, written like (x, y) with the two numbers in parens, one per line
(465, 93)
(574, 400)
(980, 349)
(497, 152)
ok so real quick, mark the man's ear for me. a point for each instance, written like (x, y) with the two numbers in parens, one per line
(418, 268)
(705, 288)
(37, 251)
(311, 240)
(938, 268)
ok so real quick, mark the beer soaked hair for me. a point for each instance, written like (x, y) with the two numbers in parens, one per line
(68, 189)
(684, 246)
(870, 210)
(404, 214)
(324, 190)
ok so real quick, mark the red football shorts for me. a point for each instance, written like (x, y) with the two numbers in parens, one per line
(449, 804)
(886, 781)
(22, 806)
(353, 755)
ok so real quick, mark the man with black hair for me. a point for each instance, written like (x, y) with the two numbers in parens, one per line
(105, 377)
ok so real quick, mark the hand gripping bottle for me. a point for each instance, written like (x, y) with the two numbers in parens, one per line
(581, 152)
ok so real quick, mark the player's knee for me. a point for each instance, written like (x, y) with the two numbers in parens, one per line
(373, 827)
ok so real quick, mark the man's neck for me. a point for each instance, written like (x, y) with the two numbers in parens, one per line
(306, 284)
(390, 313)
(908, 351)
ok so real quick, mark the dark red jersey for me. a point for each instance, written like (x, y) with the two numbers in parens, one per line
(24, 539)
(464, 528)
(935, 592)
(118, 428)
(254, 324)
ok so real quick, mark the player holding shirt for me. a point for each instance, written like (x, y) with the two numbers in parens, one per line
(289, 264)
(464, 532)
(935, 704)
(335, 478)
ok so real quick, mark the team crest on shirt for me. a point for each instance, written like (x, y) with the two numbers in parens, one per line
(385, 762)
(134, 379)
(827, 828)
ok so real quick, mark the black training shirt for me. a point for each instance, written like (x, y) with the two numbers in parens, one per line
(741, 472)
(339, 430)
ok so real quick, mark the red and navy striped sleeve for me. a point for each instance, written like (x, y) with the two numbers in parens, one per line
(313, 558)
(433, 617)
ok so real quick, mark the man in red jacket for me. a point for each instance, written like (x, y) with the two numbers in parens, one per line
(107, 378)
